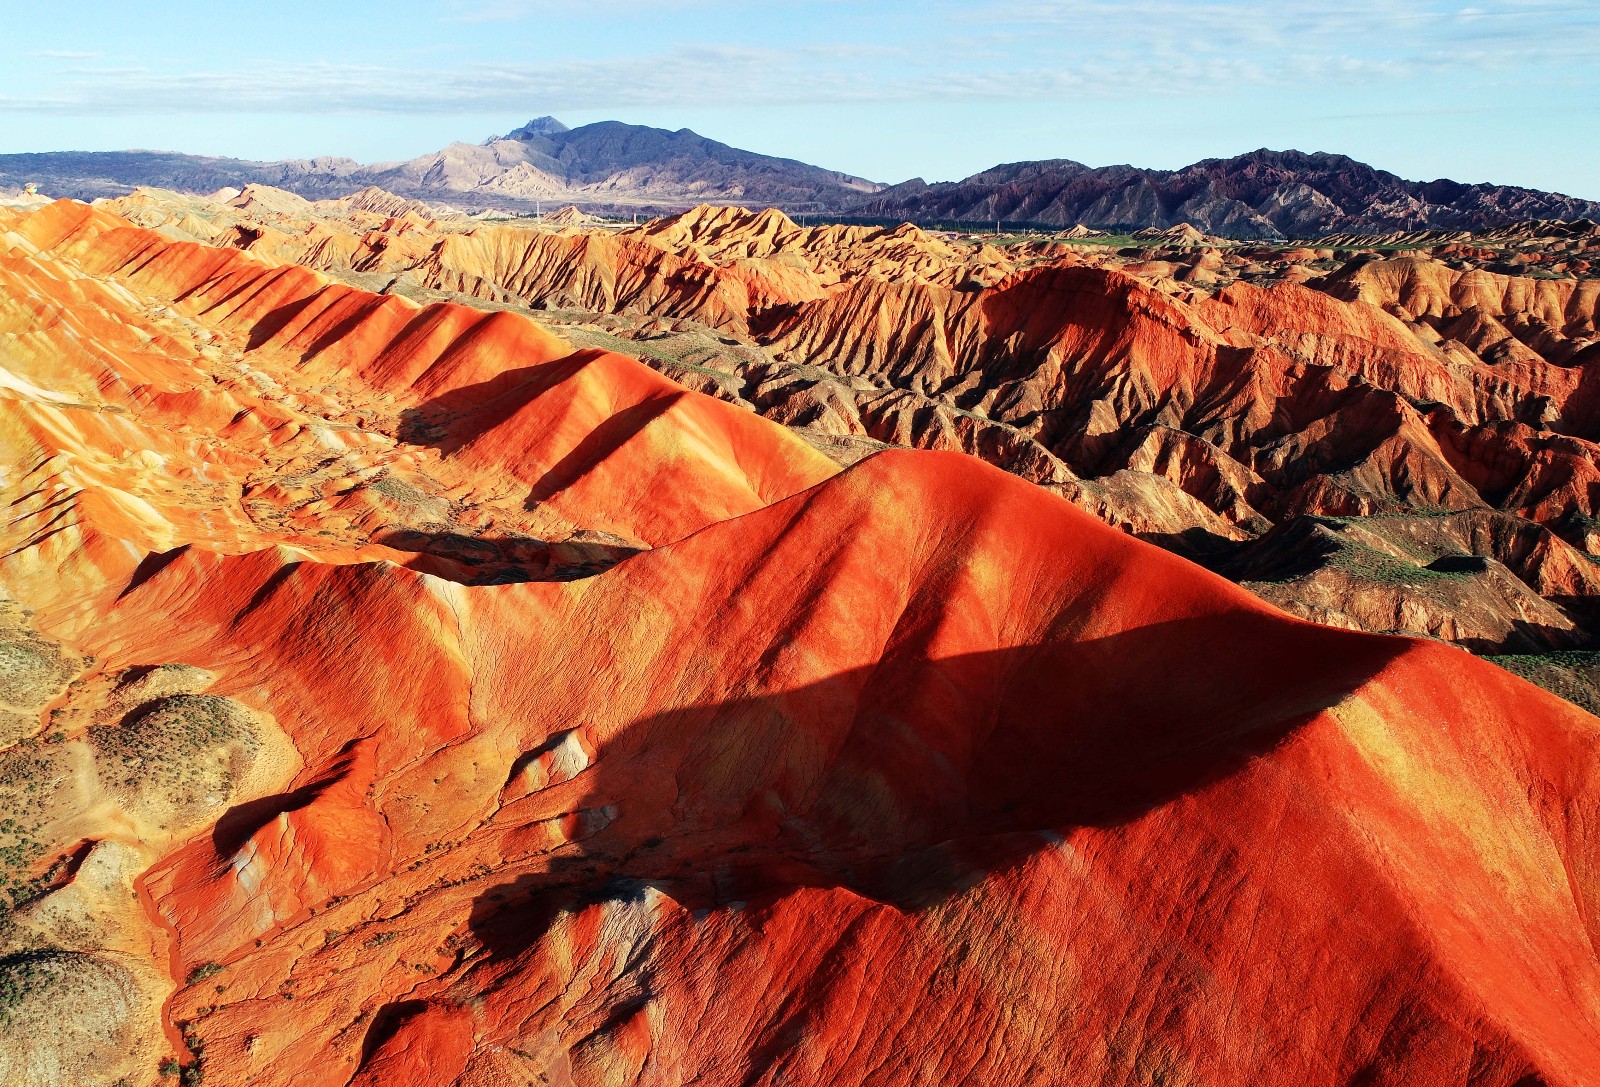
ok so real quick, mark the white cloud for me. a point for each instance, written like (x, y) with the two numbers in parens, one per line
(703, 74)
(1000, 50)
(491, 11)
(1349, 26)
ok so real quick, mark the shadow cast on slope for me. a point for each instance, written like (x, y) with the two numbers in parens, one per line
(453, 420)
(598, 445)
(502, 560)
(916, 779)
(243, 821)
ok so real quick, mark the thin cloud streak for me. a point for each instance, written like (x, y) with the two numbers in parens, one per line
(695, 76)
(507, 11)
(1505, 30)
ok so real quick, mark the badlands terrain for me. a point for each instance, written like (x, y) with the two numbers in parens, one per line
(1390, 433)
(441, 650)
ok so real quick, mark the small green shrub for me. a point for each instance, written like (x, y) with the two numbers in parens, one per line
(204, 970)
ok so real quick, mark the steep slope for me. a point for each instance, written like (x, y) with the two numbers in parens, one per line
(441, 375)
(904, 773)
(1194, 395)
(1096, 367)
(613, 163)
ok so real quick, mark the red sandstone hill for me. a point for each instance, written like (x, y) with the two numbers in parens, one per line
(1405, 409)
(701, 761)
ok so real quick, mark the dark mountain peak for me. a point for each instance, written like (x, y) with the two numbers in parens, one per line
(538, 127)
(610, 164)
(1265, 162)
(1010, 172)
(596, 164)
(1259, 194)
(1299, 160)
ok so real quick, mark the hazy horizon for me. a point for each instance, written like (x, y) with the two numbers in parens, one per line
(1490, 92)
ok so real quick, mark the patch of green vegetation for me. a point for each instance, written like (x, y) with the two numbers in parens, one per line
(676, 349)
(22, 975)
(64, 1009)
(137, 687)
(180, 750)
(14, 726)
(192, 1074)
(1403, 511)
(27, 771)
(398, 490)
(1572, 674)
(1115, 241)
(1566, 658)
(44, 977)
(31, 671)
(709, 371)
(204, 970)
(1368, 564)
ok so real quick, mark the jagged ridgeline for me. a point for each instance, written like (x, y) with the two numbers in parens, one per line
(623, 169)
(403, 690)
(1332, 426)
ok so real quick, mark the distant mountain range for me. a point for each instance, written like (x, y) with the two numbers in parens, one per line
(1263, 194)
(610, 166)
(603, 166)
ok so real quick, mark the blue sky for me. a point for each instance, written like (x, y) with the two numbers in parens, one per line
(1493, 90)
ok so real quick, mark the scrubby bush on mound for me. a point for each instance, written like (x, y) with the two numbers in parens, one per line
(181, 756)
